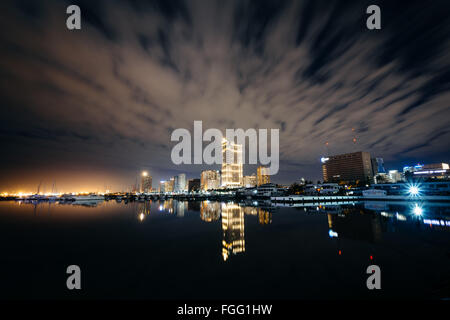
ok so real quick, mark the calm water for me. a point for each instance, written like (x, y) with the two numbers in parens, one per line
(181, 250)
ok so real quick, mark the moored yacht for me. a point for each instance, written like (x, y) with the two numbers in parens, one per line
(268, 190)
(37, 197)
(89, 197)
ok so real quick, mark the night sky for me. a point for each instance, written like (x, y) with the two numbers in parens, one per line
(93, 107)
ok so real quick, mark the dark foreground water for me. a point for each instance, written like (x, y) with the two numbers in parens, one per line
(210, 250)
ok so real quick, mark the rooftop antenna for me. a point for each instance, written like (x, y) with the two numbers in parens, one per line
(354, 139)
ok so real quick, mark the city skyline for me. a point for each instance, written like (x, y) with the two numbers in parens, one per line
(100, 103)
(259, 176)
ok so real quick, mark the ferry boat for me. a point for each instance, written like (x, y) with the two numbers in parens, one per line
(268, 190)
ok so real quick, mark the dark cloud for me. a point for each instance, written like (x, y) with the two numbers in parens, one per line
(106, 98)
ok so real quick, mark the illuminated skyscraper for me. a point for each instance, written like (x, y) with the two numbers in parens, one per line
(170, 185)
(210, 179)
(231, 164)
(166, 186)
(264, 216)
(263, 176)
(146, 182)
(162, 186)
(233, 241)
(144, 210)
(178, 208)
(180, 183)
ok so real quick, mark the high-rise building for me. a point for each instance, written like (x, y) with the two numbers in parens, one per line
(170, 185)
(232, 168)
(210, 179)
(348, 168)
(249, 181)
(146, 182)
(193, 185)
(180, 183)
(166, 186)
(263, 175)
(179, 208)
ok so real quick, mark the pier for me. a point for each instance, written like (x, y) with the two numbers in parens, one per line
(302, 199)
(297, 199)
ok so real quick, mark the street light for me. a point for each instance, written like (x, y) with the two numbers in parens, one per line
(414, 190)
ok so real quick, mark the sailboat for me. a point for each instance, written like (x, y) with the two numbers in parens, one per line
(37, 196)
(53, 196)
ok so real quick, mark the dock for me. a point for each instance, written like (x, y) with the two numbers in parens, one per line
(303, 199)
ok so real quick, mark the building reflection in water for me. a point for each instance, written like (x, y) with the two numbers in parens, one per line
(172, 206)
(370, 221)
(166, 205)
(353, 221)
(233, 241)
(233, 223)
(264, 216)
(179, 207)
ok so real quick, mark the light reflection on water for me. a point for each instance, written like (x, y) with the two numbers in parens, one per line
(308, 238)
(358, 220)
